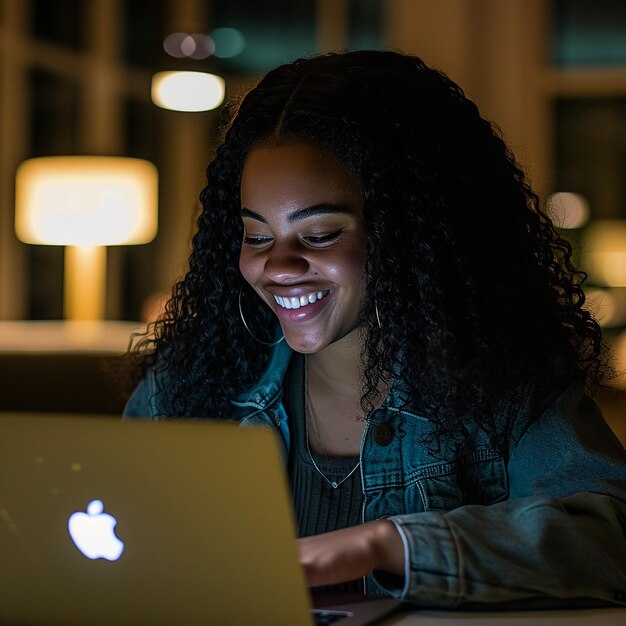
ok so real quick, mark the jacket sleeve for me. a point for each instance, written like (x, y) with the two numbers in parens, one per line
(559, 539)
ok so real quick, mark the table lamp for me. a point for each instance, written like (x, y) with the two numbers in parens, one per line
(86, 203)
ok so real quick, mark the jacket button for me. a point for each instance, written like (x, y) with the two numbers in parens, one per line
(383, 434)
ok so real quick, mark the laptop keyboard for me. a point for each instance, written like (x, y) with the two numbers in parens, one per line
(323, 617)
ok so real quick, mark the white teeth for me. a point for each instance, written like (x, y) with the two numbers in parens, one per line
(296, 303)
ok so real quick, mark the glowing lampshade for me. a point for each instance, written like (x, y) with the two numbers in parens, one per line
(187, 91)
(85, 203)
(604, 252)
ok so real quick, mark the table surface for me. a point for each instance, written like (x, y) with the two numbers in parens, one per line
(571, 617)
(67, 336)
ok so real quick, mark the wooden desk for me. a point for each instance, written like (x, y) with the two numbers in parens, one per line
(109, 337)
(65, 367)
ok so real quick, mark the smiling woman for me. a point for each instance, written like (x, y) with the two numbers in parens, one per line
(303, 238)
(373, 278)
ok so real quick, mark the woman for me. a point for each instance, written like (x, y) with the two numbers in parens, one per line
(373, 277)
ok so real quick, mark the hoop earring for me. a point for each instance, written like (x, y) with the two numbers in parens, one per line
(380, 326)
(265, 343)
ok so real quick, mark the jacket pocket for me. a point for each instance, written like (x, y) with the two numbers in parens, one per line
(479, 478)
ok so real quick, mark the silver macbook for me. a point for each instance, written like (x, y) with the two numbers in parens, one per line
(108, 522)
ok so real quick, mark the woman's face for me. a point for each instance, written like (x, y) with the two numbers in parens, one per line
(303, 249)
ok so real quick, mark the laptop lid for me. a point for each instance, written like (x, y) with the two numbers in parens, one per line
(107, 522)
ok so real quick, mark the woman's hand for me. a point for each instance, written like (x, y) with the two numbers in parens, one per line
(351, 553)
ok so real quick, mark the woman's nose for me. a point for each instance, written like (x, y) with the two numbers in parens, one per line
(285, 263)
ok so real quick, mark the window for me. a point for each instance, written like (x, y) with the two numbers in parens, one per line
(59, 22)
(589, 33)
(274, 31)
(589, 141)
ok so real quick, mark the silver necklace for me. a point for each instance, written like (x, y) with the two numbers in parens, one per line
(308, 410)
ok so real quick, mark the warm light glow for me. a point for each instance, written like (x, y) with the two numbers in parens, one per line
(568, 210)
(187, 91)
(86, 201)
(604, 252)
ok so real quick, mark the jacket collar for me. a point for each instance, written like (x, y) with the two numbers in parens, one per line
(265, 390)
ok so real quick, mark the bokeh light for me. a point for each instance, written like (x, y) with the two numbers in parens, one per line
(173, 44)
(187, 91)
(568, 210)
(194, 46)
(604, 252)
(229, 42)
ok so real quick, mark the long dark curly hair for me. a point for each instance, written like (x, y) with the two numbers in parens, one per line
(475, 288)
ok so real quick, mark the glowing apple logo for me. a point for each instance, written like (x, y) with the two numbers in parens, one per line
(94, 533)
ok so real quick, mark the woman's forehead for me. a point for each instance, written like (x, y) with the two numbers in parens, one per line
(295, 176)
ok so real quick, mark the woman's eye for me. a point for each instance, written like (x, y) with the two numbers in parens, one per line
(256, 241)
(320, 240)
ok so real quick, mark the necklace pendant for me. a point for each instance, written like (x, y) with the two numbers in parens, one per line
(334, 485)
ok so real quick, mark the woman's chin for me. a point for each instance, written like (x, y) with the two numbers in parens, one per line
(304, 345)
(305, 348)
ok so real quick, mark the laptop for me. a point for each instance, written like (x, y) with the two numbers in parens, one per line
(129, 523)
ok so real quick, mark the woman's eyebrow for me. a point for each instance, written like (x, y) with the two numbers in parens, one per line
(301, 214)
(252, 215)
(315, 210)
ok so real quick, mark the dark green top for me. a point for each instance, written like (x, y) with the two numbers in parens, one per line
(319, 507)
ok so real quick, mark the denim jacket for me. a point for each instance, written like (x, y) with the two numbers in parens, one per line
(544, 525)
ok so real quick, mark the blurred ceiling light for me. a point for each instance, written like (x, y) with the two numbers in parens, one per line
(86, 203)
(229, 42)
(604, 252)
(187, 91)
(568, 210)
(194, 46)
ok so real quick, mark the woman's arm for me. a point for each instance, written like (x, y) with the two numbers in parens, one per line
(566, 549)
(559, 539)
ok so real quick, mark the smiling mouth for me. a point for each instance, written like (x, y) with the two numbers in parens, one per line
(300, 301)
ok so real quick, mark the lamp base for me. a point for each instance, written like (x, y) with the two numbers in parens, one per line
(85, 282)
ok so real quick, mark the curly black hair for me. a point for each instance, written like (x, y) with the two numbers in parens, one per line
(475, 288)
